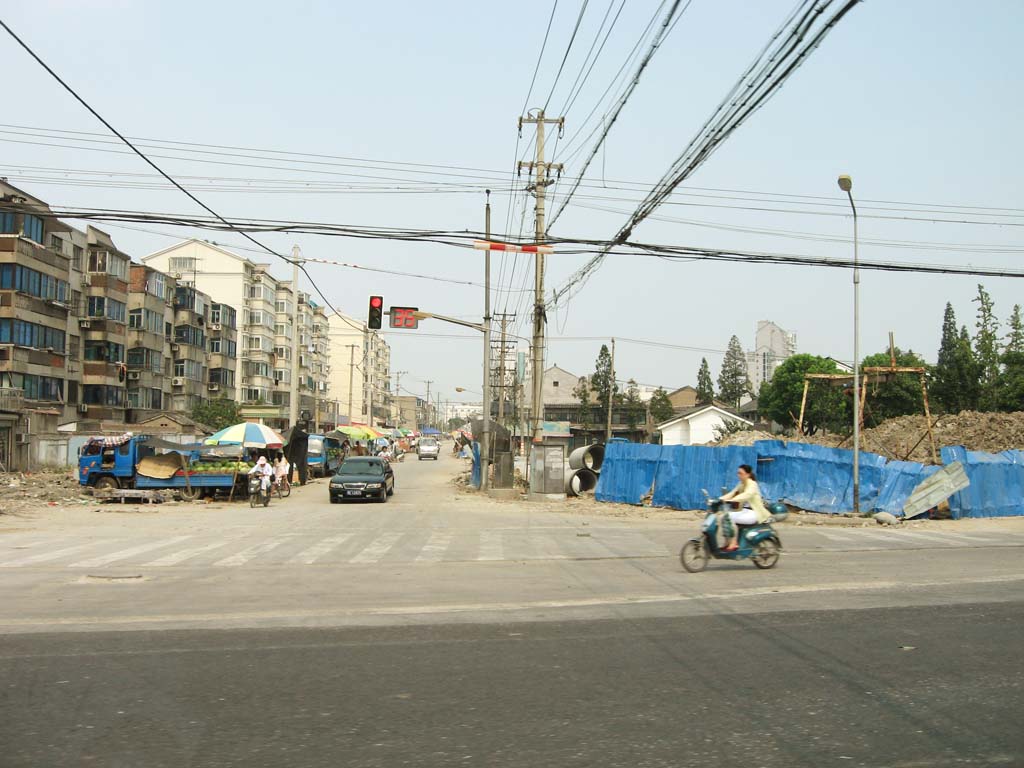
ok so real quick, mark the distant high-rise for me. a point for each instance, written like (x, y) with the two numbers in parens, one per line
(772, 346)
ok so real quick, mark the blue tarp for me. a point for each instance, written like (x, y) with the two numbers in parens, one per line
(997, 483)
(628, 471)
(899, 479)
(686, 471)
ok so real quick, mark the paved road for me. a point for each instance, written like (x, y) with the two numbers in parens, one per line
(900, 688)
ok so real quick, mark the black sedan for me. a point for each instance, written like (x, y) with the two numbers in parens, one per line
(363, 477)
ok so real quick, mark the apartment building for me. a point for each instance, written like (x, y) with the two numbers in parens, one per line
(773, 345)
(188, 348)
(223, 361)
(360, 363)
(151, 317)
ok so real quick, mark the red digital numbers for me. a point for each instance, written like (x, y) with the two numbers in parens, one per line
(404, 317)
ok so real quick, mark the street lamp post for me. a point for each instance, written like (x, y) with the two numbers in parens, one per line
(846, 184)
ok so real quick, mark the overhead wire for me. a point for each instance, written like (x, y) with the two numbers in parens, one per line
(568, 49)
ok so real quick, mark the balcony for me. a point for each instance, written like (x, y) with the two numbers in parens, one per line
(12, 399)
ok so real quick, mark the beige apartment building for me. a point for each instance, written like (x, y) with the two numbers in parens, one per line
(360, 362)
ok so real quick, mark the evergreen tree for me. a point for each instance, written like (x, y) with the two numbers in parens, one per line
(633, 405)
(986, 351)
(1011, 382)
(661, 406)
(954, 379)
(705, 387)
(732, 379)
(582, 395)
(602, 383)
(1015, 338)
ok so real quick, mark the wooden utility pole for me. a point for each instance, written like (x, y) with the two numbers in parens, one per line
(540, 170)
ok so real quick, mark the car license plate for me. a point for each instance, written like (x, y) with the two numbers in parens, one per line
(353, 493)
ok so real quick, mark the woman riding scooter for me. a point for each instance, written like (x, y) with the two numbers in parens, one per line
(746, 491)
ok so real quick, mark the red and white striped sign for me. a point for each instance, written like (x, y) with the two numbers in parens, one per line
(490, 245)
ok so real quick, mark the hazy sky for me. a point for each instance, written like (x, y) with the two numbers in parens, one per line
(919, 100)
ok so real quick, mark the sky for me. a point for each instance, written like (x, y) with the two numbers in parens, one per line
(917, 100)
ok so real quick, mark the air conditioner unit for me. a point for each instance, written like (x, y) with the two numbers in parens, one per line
(178, 381)
(83, 408)
(134, 375)
(84, 323)
(177, 275)
(21, 438)
(257, 278)
(214, 326)
(213, 387)
(86, 279)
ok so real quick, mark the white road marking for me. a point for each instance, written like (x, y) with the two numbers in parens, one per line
(377, 548)
(185, 554)
(95, 562)
(932, 538)
(241, 558)
(434, 550)
(46, 556)
(490, 546)
(321, 548)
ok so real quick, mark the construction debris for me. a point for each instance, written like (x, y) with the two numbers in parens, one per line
(29, 491)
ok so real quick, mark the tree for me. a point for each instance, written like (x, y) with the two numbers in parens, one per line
(705, 387)
(954, 379)
(602, 383)
(217, 414)
(455, 422)
(661, 406)
(1015, 338)
(632, 404)
(582, 395)
(826, 407)
(898, 397)
(986, 351)
(732, 379)
(1011, 382)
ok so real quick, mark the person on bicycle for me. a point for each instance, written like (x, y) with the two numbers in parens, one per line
(745, 492)
(282, 471)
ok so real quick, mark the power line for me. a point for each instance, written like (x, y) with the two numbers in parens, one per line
(568, 48)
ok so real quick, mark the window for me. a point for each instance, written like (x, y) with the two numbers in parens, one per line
(554, 383)
(76, 257)
(282, 376)
(223, 314)
(156, 285)
(182, 264)
(33, 228)
(104, 351)
(188, 334)
(142, 358)
(26, 334)
(101, 394)
(56, 244)
(38, 284)
(284, 353)
(254, 394)
(8, 224)
(101, 306)
(190, 369)
(222, 376)
(255, 292)
(41, 387)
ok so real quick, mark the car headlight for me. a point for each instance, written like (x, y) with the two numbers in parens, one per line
(373, 485)
(336, 483)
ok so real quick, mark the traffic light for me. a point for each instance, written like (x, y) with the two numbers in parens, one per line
(376, 316)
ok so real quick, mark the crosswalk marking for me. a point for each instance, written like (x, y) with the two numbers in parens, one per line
(241, 558)
(377, 548)
(185, 554)
(45, 556)
(932, 538)
(321, 548)
(113, 557)
(491, 546)
(435, 547)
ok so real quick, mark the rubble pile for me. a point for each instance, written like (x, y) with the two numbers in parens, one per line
(745, 437)
(26, 491)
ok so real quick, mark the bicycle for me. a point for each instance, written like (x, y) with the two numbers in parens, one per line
(282, 487)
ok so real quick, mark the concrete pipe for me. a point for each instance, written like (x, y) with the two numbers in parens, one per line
(579, 481)
(587, 457)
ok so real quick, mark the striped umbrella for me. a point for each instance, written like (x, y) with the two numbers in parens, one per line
(247, 435)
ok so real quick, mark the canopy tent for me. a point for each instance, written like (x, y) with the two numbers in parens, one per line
(354, 432)
(247, 435)
(430, 431)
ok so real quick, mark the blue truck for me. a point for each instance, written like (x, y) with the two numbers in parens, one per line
(148, 463)
(324, 455)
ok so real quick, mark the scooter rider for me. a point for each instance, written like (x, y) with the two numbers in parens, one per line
(264, 470)
(746, 491)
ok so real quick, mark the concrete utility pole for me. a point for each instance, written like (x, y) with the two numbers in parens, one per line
(540, 170)
(501, 367)
(293, 396)
(428, 402)
(485, 438)
(351, 372)
(611, 398)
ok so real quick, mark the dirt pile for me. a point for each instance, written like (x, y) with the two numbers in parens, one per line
(746, 437)
(26, 491)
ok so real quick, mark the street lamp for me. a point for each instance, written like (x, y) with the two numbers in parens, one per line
(846, 185)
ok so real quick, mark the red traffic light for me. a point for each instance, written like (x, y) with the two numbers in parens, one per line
(375, 315)
(376, 302)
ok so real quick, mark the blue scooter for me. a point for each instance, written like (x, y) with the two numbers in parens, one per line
(759, 543)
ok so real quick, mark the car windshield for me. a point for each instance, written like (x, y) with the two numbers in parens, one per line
(428, 441)
(361, 468)
(316, 446)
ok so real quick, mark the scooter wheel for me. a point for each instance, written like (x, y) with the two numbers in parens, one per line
(694, 556)
(766, 554)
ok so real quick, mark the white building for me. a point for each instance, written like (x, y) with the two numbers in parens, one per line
(772, 346)
(697, 425)
(360, 365)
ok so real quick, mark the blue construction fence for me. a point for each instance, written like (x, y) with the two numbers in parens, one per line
(811, 477)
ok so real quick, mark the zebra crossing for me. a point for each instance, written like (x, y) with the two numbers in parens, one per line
(435, 546)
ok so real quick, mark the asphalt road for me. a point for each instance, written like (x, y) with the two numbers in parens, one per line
(903, 688)
(443, 628)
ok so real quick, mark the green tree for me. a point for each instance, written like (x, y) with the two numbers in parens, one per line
(582, 394)
(1015, 338)
(455, 422)
(897, 397)
(633, 405)
(954, 379)
(732, 379)
(780, 398)
(986, 351)
(602, 383)
(661, 406)
(217, 414)
(705, 386)
(1011, 382)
